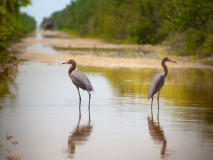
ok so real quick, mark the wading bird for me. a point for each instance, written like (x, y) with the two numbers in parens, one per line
(80, 80)
(158, 81)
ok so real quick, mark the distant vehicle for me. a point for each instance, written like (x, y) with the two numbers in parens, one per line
(47, 23)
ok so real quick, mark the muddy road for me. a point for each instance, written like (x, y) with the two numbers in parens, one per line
(92, 52)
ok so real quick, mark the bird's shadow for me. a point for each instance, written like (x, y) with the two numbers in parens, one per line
(157, 134)
(78, 137)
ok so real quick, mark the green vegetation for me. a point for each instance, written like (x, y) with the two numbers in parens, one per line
(186, 25)
(13, 25)
(207, 61)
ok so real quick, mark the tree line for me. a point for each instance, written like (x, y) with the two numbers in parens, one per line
(185, 25)
(13, 24)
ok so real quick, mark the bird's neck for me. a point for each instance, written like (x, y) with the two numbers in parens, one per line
(164, 67)
(72, 68)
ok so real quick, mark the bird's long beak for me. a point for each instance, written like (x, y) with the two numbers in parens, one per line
(65, 63)
(172, 61)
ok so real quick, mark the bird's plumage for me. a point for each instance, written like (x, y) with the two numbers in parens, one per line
(156, 84)
(80, 80)
(158, 80)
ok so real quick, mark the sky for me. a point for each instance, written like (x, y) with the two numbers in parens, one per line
(44, 8)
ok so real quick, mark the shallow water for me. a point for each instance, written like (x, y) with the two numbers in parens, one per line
(41, 48)
(40, 110)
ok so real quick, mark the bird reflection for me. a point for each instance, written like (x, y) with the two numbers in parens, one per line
(78, 137)
(157, 134)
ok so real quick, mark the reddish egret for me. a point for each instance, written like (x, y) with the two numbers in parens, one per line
(158, 81)
(80, 80)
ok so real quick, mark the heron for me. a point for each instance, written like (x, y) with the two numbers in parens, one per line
(158, 80)
(80, 80)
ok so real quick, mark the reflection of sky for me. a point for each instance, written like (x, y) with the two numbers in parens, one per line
(41, 48)
(44, 8)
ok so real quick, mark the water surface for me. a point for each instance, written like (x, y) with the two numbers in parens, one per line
(40, 110)
(41, 48)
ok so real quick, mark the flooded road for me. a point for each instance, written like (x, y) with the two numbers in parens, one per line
(41, 113)
(39, 109)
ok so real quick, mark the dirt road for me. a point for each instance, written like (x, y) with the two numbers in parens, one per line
(62, 40)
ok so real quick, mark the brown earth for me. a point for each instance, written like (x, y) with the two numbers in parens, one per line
(62, 40)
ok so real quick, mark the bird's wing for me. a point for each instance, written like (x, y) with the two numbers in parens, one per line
(80, 80)
(156, 84)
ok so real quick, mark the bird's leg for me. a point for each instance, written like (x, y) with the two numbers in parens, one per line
(79, 103)
(158, 101)
(152, 114)
(151, 102)
(89, 101)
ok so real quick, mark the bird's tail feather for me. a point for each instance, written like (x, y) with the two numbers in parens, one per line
(93, 91)
(89, 88)
(149, 96)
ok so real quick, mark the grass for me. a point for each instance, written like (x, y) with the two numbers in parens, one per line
(70, 32)
(109, 52)
(207, 61)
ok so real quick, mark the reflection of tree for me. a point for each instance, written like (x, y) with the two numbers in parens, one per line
(157, 134)
(131, 82)
(183, 87)
(189, 87)
(78, 137)
(134, 82)
(5, 87)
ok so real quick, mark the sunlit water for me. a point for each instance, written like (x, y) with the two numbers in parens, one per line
(40, 110)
